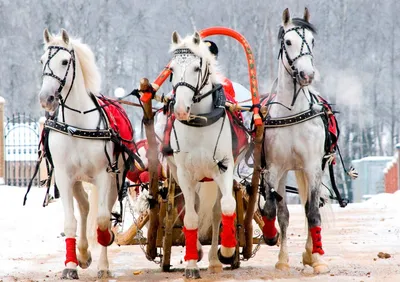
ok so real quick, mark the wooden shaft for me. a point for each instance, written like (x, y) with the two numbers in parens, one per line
(248, 224)
(152, 156)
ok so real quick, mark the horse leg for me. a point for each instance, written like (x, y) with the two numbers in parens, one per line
(270, 234)
(105, 237)
(228, 205)
(84, 256)
(70, 225)
(283, 220)
(191, 223)
(215, 265)
(314, 251)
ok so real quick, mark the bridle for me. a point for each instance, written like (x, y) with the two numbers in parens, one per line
(184, 57)
(294, 73)
(62, 81)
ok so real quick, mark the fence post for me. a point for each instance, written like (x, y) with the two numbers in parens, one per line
(2, 156)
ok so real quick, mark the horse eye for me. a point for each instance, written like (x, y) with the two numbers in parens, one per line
(41, 61)
(288, 42)
(312, 42)
(197, 69)
(64, 62)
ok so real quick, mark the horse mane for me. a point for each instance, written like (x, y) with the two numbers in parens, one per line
(87, 62)
(202, 51)
(298, 22)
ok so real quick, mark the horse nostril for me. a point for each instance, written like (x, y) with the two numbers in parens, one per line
(302, 74)
(311, 76)
(187, 109)
(50, 99)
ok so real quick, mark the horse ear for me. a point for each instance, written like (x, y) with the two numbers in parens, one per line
(196, 38)
(47, 36)
(306, 15)
(286, 16)
(65, 36)
(176, 38)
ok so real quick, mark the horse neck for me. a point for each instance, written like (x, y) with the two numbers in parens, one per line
(206, 104)
(285, 92)
(80, 100)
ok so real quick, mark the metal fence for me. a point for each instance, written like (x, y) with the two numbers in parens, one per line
(21, 139)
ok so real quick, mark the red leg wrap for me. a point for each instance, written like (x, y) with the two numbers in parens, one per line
(103, 237)
(228, 234)
(71, 251)
(191, 244)
(269, 229)
(316, 240)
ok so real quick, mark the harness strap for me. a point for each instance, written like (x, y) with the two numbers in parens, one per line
(291, 120)
(102, 134)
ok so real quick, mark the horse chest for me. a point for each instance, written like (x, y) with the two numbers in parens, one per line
(295, 144)
(75, 154)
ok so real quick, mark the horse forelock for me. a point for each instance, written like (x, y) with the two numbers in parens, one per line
(201, 50)
(86, 59)
(300, 23)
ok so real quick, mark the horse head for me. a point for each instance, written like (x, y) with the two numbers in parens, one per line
(194, 72)
(66, 63)
(58, 69)
(296, 37)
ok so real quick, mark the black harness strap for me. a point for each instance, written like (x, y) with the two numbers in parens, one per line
(291, 120)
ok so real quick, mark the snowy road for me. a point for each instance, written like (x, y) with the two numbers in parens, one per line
(31, 248)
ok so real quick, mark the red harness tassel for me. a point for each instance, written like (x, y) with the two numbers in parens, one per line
(191, 244)
(103, 237)
(316, 239)
(269, 229)
(71, 251)
(228, 234)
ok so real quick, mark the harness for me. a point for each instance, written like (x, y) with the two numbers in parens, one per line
(108, 134)
(184, 57)
(326, 114)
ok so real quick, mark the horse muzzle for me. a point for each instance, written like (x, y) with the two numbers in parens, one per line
(49, 102)
(182, 113)
(305, 79)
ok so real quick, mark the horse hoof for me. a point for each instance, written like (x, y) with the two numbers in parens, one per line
(282, 266)
(226, 260)
(192, 273)
(307, 259)
(87, 263)
(273, 241)
(320, 268)
(102, 274)
(70, 274)
(215, 267)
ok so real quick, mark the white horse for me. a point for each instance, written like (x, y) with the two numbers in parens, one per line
(202, 148)
(294, 144)
(70, 79)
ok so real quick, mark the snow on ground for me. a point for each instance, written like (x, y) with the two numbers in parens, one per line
(32, 249)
